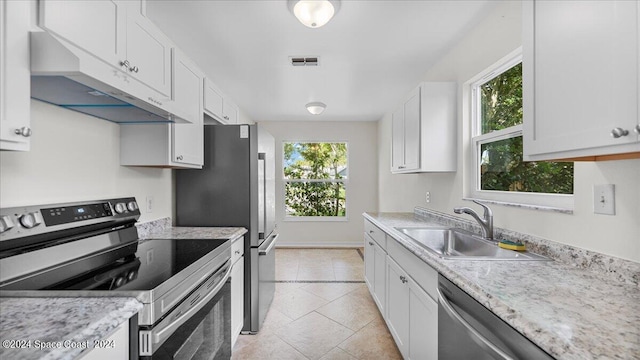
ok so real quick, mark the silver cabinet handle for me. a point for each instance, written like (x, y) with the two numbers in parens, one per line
(125, 64)
(403, 279)
(401, 167)
(481, 340)
(226, 117)
(24, 131)
(179, 157)
(133, 69)
(371, 231)
(370, 243)
(237, 252)
(619, 132)
(637, 129)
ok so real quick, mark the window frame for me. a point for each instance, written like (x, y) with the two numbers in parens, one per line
(345, 183)
(540, 201)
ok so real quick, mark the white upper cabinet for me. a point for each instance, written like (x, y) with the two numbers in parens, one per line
(424, 130)
(188, 139)
(115, 32)
(171, 145)
(218, 106)
(15, 90)
(580, 78)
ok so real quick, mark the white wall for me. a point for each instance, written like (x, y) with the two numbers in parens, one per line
(76, 157)
(495, 37)
(362, 187)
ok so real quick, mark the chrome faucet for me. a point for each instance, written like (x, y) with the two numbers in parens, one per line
(486, 224)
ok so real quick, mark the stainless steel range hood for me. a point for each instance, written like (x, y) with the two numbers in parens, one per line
(64, 75)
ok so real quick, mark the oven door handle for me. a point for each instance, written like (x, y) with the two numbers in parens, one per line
(269, 246)
(161, 335)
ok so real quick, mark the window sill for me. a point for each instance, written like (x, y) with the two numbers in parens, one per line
(523, 206)
(316, 219)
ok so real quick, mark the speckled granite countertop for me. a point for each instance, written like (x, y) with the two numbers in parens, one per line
(569, 312)
(208, 233)
(67, 322)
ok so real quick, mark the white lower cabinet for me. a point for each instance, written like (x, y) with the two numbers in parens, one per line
(237, 289)
(375, 264)
(406, 294)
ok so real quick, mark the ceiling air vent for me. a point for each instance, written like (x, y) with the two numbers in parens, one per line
(304, 61)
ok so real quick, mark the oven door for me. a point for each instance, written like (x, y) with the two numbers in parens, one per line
(199, 328)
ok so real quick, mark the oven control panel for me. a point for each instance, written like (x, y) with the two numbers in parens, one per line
(19, 222)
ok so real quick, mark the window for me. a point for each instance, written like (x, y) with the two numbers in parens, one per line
(500, 173)
(315, 179)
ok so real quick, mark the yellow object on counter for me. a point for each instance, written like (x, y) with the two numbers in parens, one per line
(510, 245)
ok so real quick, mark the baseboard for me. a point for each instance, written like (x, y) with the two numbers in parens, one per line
(319, 245)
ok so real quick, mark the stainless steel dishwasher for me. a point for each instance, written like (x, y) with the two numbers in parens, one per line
(468, 330)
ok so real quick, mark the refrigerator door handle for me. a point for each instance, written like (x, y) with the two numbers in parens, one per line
(268, 245)
(262, 193)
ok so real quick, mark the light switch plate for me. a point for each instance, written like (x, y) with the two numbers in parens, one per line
(604, 200)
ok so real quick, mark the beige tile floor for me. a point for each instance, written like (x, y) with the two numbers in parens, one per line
(322, 309)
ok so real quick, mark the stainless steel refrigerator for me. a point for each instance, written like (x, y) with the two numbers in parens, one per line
(236, 187)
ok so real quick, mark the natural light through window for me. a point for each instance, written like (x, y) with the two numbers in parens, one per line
(315, 179)
(499, 171)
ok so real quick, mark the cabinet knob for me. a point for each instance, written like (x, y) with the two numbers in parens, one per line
(237, 252)
(401, 167)
(24, 131)
(125, 64)
(179, 157)
(370, 243)
(371, 231)
(637, 129)
(403, 279)
(226, 117)
(619, 132)
(133, 69)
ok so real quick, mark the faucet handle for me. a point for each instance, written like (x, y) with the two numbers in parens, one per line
(487, 211)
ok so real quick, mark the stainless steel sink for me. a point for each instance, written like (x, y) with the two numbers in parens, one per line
(458, 244)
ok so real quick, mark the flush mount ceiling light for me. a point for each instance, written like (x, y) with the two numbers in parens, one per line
(314, 13)
(316, 108)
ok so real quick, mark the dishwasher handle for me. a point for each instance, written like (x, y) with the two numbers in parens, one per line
(477, 336)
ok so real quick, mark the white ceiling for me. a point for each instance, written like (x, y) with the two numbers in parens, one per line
(371, 53)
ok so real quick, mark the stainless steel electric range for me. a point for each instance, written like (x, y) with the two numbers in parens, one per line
(91, 248)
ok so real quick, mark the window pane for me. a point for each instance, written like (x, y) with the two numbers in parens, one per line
(502, 168)
(315, 199)
(501, 101)
(315, 160)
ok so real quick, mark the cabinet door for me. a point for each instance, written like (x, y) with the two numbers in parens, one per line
(369, 262)
(98, 27)
(398, 305)
(412, 131)
(397, 139)
(379, 277)
(422, 323)
(237, 299)
(580, 75)
(213, 100)
(15, 90)
(119, 338)
(230, 112)
(148, 53)
(188, 139)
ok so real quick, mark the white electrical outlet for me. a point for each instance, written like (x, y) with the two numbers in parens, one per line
(427, 196)
(604, 200)
(149, 204)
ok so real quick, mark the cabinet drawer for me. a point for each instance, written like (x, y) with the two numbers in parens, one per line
(376, 234)
(237, 249)
(419, 271)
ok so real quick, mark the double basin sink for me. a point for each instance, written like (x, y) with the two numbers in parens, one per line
(457, 244)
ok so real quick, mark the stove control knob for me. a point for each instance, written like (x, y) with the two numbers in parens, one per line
(120, 208)
(119, 282)
(131, 275)
(132, 206)
(6, 223)
(30, 220)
